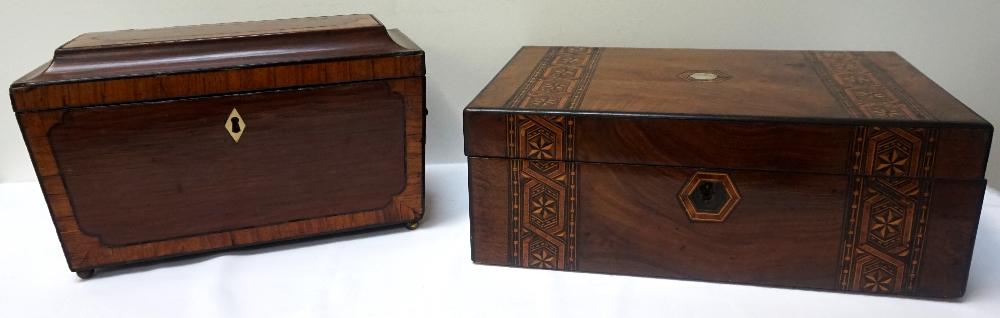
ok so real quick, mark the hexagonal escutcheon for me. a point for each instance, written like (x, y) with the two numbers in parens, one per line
(708, 196)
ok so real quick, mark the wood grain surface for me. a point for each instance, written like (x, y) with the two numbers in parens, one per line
(164, 170)
(842, 171)
(761, 84)
(143, 167)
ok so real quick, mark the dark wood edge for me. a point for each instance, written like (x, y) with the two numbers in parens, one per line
(399, 206)
(728, 118)
(972, 241)
(472, 207)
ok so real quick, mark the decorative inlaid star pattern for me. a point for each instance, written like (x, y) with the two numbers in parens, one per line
(542, 259)
(878, 281)
(540, 148)
(887, 224)
(543, 206)
(892, 163)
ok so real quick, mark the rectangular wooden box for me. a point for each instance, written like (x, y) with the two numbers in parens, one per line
(822, 170)
(163, 142)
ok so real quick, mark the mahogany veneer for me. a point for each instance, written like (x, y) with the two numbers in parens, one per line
(164, 142)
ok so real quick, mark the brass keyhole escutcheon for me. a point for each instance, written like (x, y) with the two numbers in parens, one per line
(235, 125)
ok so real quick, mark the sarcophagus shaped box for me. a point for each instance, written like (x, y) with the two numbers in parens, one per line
(824, 170)
(162, 142)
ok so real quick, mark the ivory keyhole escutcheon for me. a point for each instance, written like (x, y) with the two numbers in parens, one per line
(235, 125)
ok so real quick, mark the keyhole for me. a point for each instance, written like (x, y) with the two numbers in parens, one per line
(706, 191)
(236, 124)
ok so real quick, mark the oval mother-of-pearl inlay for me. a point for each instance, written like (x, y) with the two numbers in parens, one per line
(703, 76)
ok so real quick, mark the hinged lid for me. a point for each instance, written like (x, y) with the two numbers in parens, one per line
(192, 60)
(863, 113)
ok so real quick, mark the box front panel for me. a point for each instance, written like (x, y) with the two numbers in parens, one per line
(871, 234)
(152, 172)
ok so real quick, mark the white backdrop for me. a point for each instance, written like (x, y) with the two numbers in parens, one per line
(956, 43)
(427, 272)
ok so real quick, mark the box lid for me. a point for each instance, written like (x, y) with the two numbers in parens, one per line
(804, 111)
(201, 51)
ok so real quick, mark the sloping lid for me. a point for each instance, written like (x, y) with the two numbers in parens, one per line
(742, 109)
(104, 56)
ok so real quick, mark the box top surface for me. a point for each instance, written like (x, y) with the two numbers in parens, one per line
(798, 86)
(134, 53)
(105, 68)
(853, 113)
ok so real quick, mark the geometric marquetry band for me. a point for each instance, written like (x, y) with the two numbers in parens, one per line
(542, 193)
(559, 80)
(885, 220)
(543, 189)
(862, 88)
(887, 216)
(884, 240)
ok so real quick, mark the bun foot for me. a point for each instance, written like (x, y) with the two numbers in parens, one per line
(411, 226)
(85, 274)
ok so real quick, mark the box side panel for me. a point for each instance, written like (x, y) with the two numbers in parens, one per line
(488, 210)
(85, 249)
(955, 209)
(903, 236)
(215, 164)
